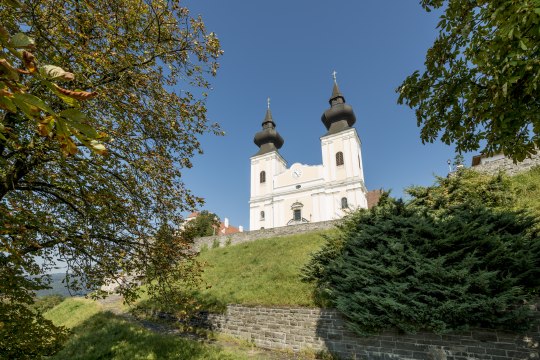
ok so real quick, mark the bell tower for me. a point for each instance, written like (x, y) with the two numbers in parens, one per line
(342, 154)
(265, 165)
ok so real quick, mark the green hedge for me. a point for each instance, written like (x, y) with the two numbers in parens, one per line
(455, 255)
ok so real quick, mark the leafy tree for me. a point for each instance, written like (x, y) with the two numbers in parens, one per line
(448, 259)
(482, 76)
(465, 186)
(14, 97)
(63, 198)
(205, 224)
(173, 293)
(24, 332)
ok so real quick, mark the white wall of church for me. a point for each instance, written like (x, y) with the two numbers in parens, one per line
(318, 204)
(316, 190)
(272, 164)
(349, 144)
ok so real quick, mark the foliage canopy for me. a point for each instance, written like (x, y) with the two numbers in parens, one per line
(64, 198)
(481, 81)
(205, 224)
(454, 256)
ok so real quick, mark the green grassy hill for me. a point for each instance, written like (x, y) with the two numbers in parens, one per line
(102, 335)
(263, 272)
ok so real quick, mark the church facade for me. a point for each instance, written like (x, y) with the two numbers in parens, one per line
(282, 196)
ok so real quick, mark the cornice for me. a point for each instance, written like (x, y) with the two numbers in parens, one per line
(272, 155)
(325, 187)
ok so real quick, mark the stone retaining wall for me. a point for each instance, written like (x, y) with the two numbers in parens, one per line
(247, 236)
(508, 166)
(324, 329)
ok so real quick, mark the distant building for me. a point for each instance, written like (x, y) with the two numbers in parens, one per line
(484, 159)
(224, 227)
(282, 196)
(496, 163)
(373, 197)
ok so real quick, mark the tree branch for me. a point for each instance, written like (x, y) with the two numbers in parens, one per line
(57, 196)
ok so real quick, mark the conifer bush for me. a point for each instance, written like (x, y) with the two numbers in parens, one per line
(454, 256)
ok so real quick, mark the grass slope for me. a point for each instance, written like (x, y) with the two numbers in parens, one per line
(527, 187)
(263, 272)
(72, 312)
(103, 335)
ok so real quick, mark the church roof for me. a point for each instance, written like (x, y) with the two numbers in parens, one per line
(268, 139)
(336, 93)
(340, 116)
(227, 230)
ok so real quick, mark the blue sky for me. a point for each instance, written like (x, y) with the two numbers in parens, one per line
(287, 50)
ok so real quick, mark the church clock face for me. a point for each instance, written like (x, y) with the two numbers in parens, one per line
(297, 173)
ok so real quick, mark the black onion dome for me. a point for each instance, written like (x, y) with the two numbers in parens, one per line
(268, 139)
(340, 116)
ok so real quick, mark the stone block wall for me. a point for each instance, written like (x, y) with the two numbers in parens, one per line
(508, 166)
(324, 329)
(247, 236)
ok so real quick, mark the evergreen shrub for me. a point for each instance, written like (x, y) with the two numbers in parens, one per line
(454, 256)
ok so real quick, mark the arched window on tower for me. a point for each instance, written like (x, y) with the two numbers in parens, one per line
(339, 158)
(262, 177)
(344, 203)
(262, 215)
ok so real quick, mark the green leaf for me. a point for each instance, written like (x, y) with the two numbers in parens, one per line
(61, 127)
(68, 100)
(21, 41)
(34, 101)
(2, 128)
(8, 104)
(31, 112)
(85, 129)
(522, 45)
(13, 3)
(74, 115)
(75, 120)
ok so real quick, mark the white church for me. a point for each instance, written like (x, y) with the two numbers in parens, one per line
(282, 196)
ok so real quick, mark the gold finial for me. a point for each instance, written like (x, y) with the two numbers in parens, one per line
(334, 75)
